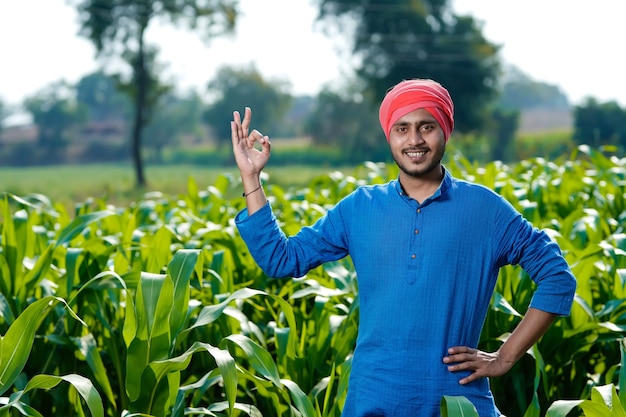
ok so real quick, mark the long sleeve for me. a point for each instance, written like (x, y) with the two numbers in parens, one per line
(540, 257)
(282, 256)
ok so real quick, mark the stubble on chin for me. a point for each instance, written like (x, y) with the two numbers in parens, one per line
(420, 171)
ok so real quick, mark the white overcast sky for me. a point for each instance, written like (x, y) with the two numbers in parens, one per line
(577, 45)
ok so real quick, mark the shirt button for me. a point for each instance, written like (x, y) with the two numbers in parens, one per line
(419, 210)
(413, 256)
(416, 231)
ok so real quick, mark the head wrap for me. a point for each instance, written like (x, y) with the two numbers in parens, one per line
(410, 95)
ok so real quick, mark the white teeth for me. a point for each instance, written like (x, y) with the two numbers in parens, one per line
(415, 154)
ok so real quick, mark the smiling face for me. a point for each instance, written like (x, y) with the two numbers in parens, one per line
(418, 144)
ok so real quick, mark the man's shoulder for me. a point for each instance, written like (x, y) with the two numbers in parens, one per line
(370, 193)
(475, 191)
(372, 190)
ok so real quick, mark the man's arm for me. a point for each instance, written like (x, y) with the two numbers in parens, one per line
(534, 324)
(250, 160)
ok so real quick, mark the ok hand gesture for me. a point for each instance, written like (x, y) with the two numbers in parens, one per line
(250, 160)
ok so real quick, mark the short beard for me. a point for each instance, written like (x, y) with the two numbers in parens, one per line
(423, 172)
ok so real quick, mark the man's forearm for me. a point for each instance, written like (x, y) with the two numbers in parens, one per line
(534, 324)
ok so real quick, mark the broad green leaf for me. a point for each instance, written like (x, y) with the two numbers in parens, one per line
(457, 406)
(259, 358)
(82, 385)
(88, 348)
(72, 258)
(181, 269)
(36, 274)
(79, 224)
(158, 250)
(16, 344)
(209, 314)
(223, 359)
(152, 340)
(299, 398)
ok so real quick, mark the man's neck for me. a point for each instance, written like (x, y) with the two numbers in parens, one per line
(420, 188)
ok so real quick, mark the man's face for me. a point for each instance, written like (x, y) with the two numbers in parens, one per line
(417, 143)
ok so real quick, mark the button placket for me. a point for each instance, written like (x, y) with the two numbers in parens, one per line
(414, 248)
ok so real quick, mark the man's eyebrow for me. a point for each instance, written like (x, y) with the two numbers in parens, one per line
(419, 122)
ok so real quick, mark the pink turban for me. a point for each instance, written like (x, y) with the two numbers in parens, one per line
(410, 95)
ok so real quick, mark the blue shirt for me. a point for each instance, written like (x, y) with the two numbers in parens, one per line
(426, 273)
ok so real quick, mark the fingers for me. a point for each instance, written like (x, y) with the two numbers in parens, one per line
(481, 364)
(245, 124)
(460, 354)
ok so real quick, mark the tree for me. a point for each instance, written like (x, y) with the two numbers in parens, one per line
(234, 88)
(598, 124)
(350, 121)
(118, 27)
(174, 118)
(402, 39)
(55, 112)
(101, 94)
(520, 92)
(503, 124)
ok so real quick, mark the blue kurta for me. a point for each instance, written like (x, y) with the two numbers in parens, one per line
(426, 273)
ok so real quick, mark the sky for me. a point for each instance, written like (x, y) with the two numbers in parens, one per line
(574, 44)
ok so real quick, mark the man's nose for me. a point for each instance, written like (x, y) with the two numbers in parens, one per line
(416, 137)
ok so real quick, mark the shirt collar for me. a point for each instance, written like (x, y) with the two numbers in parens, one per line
(443, 188)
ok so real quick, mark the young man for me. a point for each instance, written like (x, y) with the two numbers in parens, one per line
(427, 249)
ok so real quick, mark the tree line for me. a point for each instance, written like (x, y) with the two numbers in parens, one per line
(105, 112)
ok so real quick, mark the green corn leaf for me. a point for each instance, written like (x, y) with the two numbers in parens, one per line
(33, 277)
(561, 408)
(209, 314)
(151, 340)
(16, 344)
(607, 395)
(622, 374)
(299, 398)
(158, 250)
(154, 300)
(79, 224)
(9, 250)
(181, 269)
(89, 349)
(5, 308)
(225, 363)
(457, 406)
(82, 385)
(72, 263)
(259, 358)
(249, 409)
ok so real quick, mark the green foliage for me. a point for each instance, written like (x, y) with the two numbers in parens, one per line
(457, 406)
(234, 88)
(99, 93)
(597, 124)
(55, 112)
(117, 29)
(349, 123)
(520, 92)
(156, 308)
(402, 39)
(604, 400)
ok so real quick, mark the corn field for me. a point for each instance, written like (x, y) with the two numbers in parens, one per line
(157, 309)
